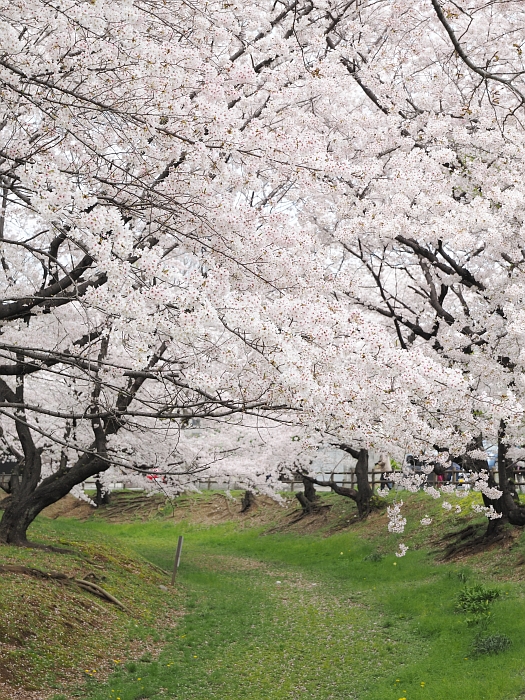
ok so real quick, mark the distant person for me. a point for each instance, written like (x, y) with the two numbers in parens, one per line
(385, 467)
(450, 472)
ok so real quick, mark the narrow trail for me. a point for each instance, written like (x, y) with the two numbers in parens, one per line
(257, 630)
(282, 634)
(288, 618)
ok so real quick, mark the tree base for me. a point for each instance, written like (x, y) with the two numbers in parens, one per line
(474, 539)
(248, 501)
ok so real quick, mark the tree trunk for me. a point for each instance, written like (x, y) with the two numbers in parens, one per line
(102, 497)
(248, 500)
(21, 508)
(511, 511)
(18, 516)
(27, 501)
(478, 465)
(362, 495)
(309, 500)
(29, 495)
(508, 503)
(309, 491)
(364, 491)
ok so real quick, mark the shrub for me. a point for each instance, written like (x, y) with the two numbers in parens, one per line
(476, 599)
(375, 556)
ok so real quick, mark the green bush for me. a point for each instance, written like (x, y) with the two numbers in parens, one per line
(375, 556)
(476, 600)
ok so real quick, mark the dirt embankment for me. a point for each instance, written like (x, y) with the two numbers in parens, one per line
(212, 508)
(69, 507)
(206, 508)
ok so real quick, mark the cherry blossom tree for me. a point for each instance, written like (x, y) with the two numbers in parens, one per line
(182, 187)
(433, 227)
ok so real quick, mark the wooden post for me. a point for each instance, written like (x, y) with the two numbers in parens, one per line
(177, 559)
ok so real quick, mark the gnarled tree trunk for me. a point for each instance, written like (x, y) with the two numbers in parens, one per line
(506, 504)
(362, 496)
(248, 501)
(309, 499)
(364, 490)
(25, 501)
(17, 517)
(102, 495)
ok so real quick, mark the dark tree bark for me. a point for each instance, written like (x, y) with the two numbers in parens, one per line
(248, 500)
(309, 491)
(26, 502)
(478, 465)
(309, 499)
(511, 511)
(362, 496)
(102, 496)
(15, 522)
(364, 490)
(508, 503)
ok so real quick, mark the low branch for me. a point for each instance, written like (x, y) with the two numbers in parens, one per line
(339, 490)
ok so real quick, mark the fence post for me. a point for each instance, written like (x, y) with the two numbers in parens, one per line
(177, 559)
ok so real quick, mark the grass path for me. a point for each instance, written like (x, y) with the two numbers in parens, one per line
(338, 625)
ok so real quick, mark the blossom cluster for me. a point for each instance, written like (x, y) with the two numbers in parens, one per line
(396, 522)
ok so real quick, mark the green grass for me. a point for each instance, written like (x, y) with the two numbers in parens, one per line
(51, 634)
(338, 626)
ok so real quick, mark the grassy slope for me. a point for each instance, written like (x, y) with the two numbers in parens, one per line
(337, 626)
(53, 635)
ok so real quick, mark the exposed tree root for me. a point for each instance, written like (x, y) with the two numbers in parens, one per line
(471, 540)
(37, 545)
(88, 586)
(49, 548)
(298, 515)
(464, 534)
(99, 591)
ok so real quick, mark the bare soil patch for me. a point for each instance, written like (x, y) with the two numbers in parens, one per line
(69, 507)
(215, 508)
